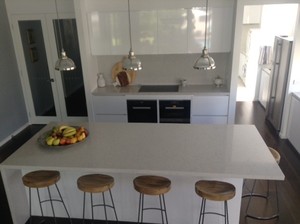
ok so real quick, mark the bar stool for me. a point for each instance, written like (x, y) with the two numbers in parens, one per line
(41, 179)
(214, 191)
(266, 196)
(97, 183)
(153, 186)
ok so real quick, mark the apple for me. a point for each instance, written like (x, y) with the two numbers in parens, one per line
(68, 141)
(63, 141)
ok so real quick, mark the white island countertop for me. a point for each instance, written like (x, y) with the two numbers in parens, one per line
(183, 152)
(215, 151)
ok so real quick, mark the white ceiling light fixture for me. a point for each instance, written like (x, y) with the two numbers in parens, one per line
(63, 63)
(131, 62)
(205, 62)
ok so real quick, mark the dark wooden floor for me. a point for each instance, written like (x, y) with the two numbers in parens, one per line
(289, 189)
(246, 113)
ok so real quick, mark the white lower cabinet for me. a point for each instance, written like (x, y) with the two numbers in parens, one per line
(110, 109)
(293, 132)
(209, 110)
(204, 109)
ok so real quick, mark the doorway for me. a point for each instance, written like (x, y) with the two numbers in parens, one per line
(261, 24)
(50, 95)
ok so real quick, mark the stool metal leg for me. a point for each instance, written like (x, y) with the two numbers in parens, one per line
(226, 216)
(83, 212)
(104, 205)
(52, 207)
(62, 201)
(96, 205)
(139, 208)
(92, 206)
(113, 205)
(165, 208)
(40, 202)
(142, 211)
(161, 209)
(203, 212)
(30, 218)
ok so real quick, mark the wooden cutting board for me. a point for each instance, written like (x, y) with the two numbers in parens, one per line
(118, 68)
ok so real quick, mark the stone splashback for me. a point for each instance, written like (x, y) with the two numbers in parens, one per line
(170, 69)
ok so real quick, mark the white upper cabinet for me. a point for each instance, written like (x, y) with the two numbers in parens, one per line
(144, 32)
(172, 31)
(158, 29)
(219, 29)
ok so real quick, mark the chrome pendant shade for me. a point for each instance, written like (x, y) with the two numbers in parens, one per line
(63, 63)
(131, 62)
(205, 62)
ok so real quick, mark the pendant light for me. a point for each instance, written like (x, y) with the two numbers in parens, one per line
(205, 62)
(131, 62)
(63, 63)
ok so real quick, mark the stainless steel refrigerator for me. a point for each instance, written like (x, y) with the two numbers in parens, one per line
(279, 78)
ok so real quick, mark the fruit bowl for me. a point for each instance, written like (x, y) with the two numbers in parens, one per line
(63, 136)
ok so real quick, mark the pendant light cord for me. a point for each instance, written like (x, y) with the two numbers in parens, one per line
(206, 10)
(129, 20)
(58, 24)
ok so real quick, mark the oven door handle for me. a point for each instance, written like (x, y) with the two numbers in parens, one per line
(141, 108)
(174, 108)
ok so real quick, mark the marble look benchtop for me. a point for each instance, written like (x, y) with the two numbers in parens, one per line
(217, 151)
(186, 90)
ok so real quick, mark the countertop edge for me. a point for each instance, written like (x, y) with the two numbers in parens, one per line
(196, 90)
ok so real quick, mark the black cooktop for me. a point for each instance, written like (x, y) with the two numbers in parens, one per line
(159, 88)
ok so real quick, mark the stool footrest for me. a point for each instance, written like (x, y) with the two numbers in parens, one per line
(275, 216)
(213, 213)
(255, 195)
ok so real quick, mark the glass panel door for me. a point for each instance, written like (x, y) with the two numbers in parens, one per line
(72, 81)
(39, 78)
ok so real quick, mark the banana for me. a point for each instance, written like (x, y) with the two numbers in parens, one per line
(63, 127)
(69, 132)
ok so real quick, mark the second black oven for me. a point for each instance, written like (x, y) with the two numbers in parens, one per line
(174, 111)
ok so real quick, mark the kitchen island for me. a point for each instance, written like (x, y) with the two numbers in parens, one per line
(184, 153)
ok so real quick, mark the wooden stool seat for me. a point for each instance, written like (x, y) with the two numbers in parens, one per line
(152, 185)
(41, 178)
(275, 154)
(215, 190)
(95, 183)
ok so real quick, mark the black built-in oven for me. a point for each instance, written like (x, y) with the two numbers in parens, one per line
(174, 111)
(142, 111)
(170, 111)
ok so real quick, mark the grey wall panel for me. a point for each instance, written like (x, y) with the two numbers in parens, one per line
(13, 113)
